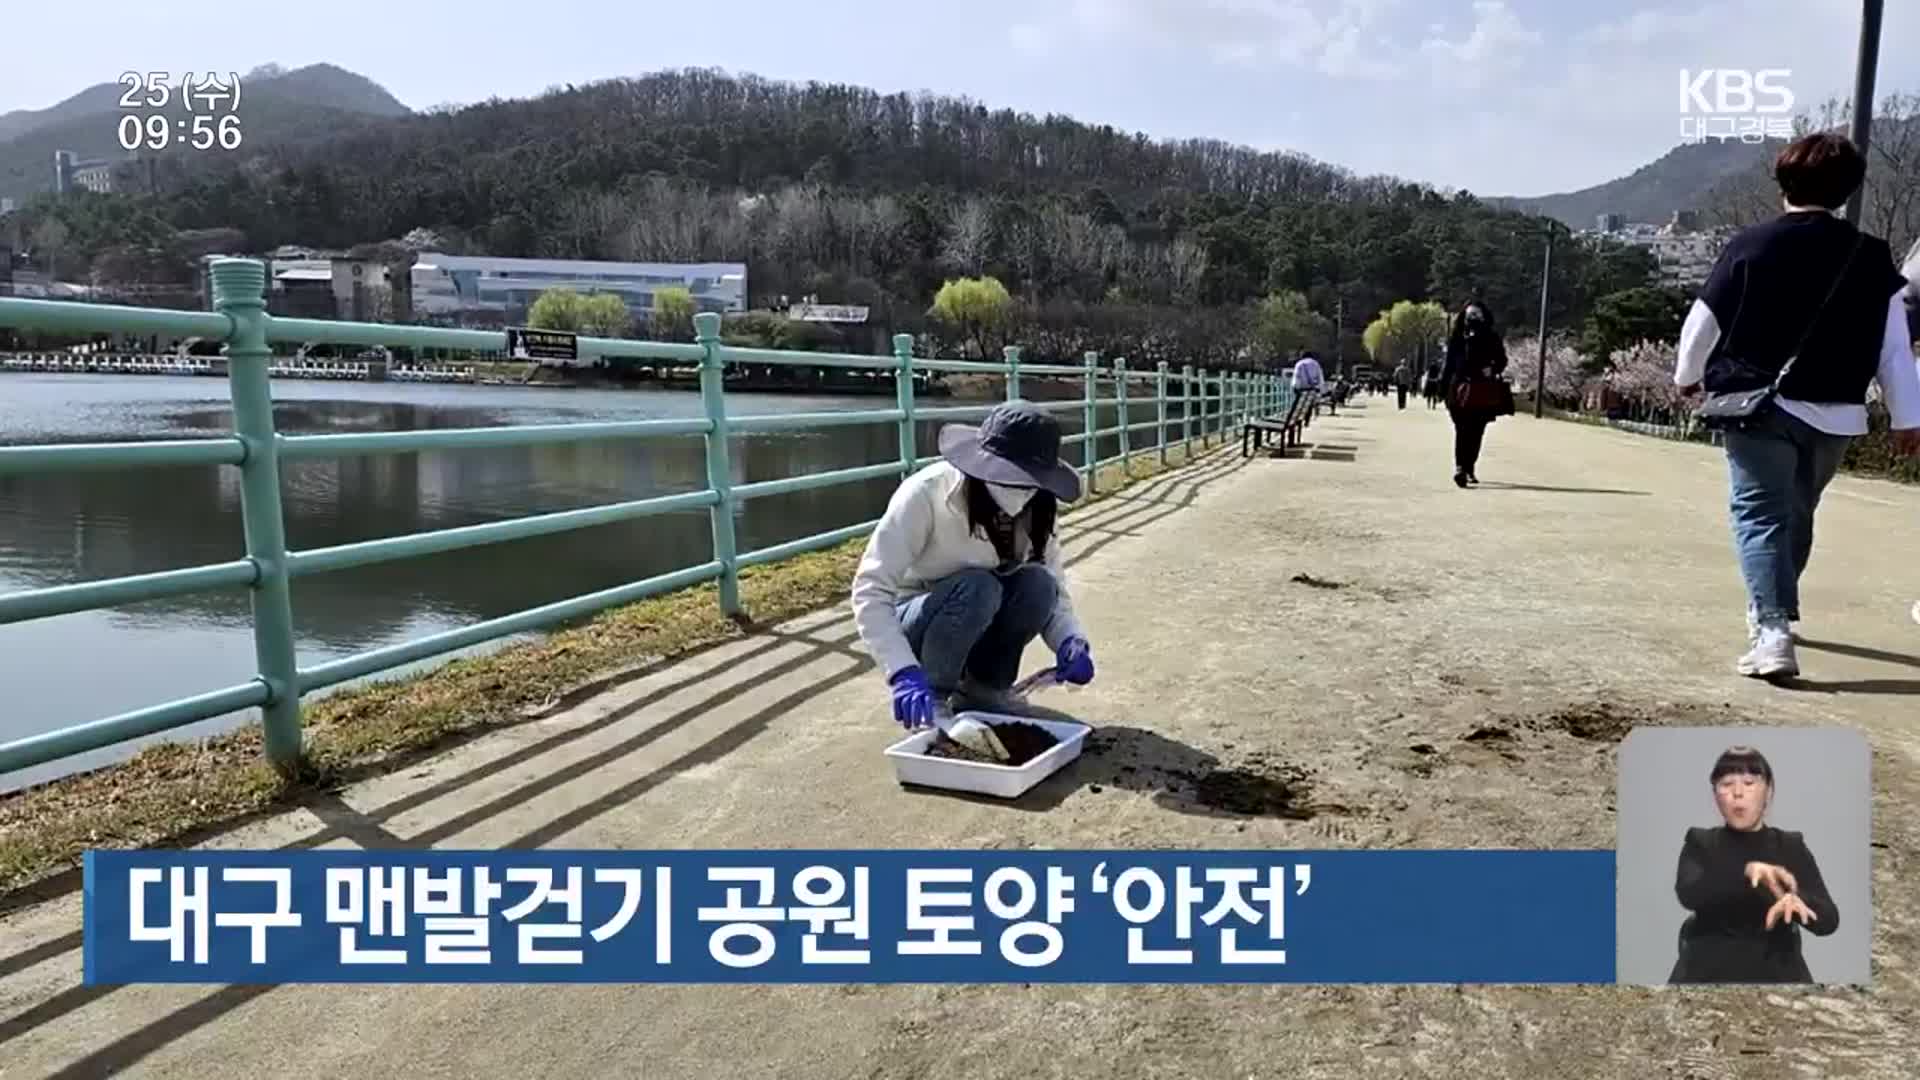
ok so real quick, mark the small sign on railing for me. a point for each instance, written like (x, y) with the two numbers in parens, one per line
(524, 343)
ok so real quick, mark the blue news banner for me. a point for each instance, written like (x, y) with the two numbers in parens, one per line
(849, 917)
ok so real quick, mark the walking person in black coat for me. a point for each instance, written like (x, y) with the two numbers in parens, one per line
(1476, 358)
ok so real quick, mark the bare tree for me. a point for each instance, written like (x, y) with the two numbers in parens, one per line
(1891, 205)
(969, 237)
(1186, 263)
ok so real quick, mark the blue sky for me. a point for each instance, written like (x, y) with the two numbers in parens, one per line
(1497, 96)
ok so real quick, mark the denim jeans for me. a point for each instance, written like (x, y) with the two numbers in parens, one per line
(1777, 467)
(979, 623)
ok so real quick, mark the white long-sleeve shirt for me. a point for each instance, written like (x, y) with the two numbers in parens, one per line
(1898, 374)
(922, 538)
(1307, 374)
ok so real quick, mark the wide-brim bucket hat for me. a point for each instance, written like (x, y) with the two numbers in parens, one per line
(1017, 445)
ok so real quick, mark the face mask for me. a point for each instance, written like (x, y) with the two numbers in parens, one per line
(1011, 500)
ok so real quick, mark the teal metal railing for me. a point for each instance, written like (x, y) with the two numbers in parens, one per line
(1210, 404)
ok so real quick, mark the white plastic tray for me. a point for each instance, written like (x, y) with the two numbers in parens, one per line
(911, 765)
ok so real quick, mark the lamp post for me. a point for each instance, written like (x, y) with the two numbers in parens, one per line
(1863, 72)
(1540, 368)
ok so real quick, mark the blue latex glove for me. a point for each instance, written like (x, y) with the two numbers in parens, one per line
(912, 698)
(1075, 661)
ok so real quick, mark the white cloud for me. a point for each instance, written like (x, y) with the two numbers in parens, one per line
(1030, 39)
(1497, 41)
(1341, 38)
(1645, 27)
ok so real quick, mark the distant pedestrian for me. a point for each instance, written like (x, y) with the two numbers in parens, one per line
(1806, 289)
(1431, 384)
(1309, 378)
(1402, 381)
(1476, 395)
(1910, 271)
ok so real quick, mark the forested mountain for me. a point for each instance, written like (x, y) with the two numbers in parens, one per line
(1732, 183)
(1683, 178)
(275, 106)
(872, 198)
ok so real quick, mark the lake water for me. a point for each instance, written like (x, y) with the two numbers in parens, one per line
(67, 527)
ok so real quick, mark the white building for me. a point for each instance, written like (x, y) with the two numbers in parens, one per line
(1685, 256)
(455, 285)
(70, 172)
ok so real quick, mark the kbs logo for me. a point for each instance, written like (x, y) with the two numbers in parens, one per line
(1728, 103)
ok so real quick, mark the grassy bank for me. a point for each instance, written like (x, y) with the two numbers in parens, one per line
(173, 793)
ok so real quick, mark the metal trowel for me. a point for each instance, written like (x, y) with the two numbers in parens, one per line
(1043, 677)
(970, 733)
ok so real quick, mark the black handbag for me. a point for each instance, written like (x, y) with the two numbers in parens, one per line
(1735, 409)
(1484, 395)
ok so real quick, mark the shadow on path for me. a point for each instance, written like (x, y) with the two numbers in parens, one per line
(1861, 652)
(1495, 485)
(1894, 687)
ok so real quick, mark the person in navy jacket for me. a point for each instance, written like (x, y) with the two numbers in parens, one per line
(1811, 279)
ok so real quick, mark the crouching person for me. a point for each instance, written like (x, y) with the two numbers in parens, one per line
(964, 571)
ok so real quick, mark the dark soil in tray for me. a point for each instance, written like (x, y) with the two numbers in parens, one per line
(1024, 742)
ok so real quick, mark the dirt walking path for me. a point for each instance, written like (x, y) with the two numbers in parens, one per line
(1339, 645)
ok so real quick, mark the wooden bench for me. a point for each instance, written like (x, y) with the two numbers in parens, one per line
(1288, 425)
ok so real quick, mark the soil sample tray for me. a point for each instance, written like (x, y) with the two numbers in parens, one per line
(1039, 748)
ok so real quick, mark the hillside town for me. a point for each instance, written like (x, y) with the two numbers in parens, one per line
(1684, 250)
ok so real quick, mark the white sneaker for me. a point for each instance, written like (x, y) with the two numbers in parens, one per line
(1771, 656)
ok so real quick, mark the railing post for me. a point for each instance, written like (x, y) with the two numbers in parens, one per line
(1012, 355)
(1092, 456)
(713, 396)
(1126, 417)
(1228, 388)
(1186, 412)
(1206, 408)
(1202, 420)
(1160, 399)
(239, 293)
(903, 381)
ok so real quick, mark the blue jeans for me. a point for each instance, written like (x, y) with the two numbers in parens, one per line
(1778, 467)
(978, 623)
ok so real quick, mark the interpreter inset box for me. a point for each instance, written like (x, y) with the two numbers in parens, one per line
(1744, 856)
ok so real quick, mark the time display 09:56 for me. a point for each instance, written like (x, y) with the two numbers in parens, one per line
(159, 131)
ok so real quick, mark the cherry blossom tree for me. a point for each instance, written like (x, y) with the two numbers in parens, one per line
(1642, 373)
(1564, 375)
